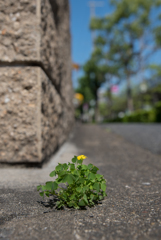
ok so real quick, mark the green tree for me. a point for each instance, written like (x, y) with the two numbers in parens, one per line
(128, 36)
(110, 72)
(91, 81)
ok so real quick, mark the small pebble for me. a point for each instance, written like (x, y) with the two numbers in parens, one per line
(146, 183)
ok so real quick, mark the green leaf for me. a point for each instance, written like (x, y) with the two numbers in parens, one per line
(80, 161)
(41, 194)
(72, 167)
(59, 180)
(73, 197)
(48, 185)
(94, 169)
(74, 160)
(78, 189)
(104, 194)
(85, 198)
(76, 173)
(76, 177)
(103, 186)
(98, 176)
(95, 198)
(47, 194)
(65, 166)
(43, 187)
(91, 176)
(54, 186)
(59, 168)
(81, 180)
(70, 204)
(61, 173)
(91, 197)
(100, 197)
(52, 174)
(84, 167)
(59, 204)
(79, 167)
(90, 166)
(64, 196)
(82, 203)
(96, 187)
(85, 188)
(38, 187)
(68, 178)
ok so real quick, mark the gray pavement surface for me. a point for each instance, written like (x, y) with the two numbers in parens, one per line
(131, 210)
(147, 136)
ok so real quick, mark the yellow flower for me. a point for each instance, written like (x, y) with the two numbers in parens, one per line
(81, 157)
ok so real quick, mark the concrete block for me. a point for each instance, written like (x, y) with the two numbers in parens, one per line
(34, 119)
(38, 32)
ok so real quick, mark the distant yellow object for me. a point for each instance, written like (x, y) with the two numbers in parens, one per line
(76, 66)
(79, 96)
(81, 157)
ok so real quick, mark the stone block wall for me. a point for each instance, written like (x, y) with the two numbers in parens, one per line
(36, 110)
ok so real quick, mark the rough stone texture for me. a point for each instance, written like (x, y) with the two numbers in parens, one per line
(19, 30)
(34, 119)
(18, 113)
(38, 31)
(57, 118)
(35, 90)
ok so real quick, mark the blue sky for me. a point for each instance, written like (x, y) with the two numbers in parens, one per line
(80, 32)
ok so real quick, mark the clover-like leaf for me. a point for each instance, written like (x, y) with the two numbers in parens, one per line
(65, 166)
(103, 186)
(79, 161)
(47, 194)
(91, 176)
(43, 187)
(38, 187)
(59, 167)
(85, 198)
(48, 185)
(85, 188)
(52, 174)
(82, 203)
(54, 186)
(61, 173)
(84, 167)
(81, 180)
(91, 197)
(74, 160)
(72, 167)
(98, 176)
(90, 166)
(94, 169)
(68, 178)
(41, 194)
(96, 187)
(78, 189)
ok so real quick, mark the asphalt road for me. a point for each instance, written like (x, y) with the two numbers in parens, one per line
(147, 136)
(131, 210)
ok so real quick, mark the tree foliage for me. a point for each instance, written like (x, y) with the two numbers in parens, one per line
(128, 36)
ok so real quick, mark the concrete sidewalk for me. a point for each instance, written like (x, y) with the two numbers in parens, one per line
(132, 209)
(30, 177)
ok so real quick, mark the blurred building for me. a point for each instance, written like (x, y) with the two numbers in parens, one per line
(36, 110)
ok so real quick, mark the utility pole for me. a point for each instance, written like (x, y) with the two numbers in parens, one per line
(92, 6)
